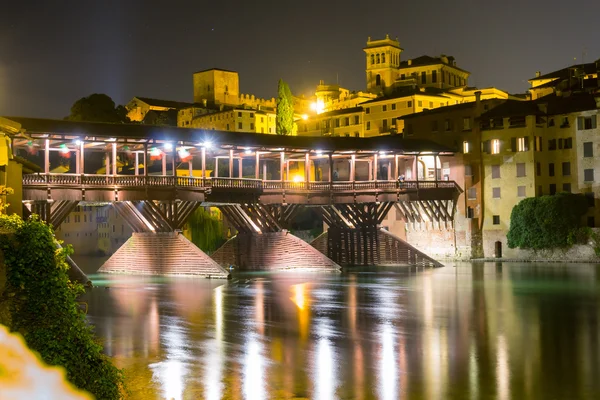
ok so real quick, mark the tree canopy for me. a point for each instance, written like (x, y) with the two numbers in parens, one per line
(98, 107)
(284, 121)
(546, 222)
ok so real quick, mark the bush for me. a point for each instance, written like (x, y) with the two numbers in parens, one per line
(44, 307)
(547, 222)
(205, 230)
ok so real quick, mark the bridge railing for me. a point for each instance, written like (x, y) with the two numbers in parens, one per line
(226, 183)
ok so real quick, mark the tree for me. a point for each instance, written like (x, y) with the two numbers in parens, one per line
(546, 222)
(98, 108)
(284, 120)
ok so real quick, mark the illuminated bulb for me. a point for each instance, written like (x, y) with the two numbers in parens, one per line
(78, 142)
(155, 152)
(208, 144)
(319, 152)
(183, 153)
(382, 152)
(297, 178)
(248, 151)
(168, 146)
(64, 149)
(305, 117)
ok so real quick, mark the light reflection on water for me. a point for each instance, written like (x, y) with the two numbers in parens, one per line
(495, 331)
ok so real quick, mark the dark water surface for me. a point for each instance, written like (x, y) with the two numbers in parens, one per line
(474, 331)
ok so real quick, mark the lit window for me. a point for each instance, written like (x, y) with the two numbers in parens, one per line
(466, 124)
(466, 147)
(495, 146)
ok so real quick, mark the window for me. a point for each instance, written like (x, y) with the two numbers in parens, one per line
(402, 77)
(538, 169)
(251, 115)
(384, 124)
(466, 124)
(586, 122)
(337, 122)
(368, 125)
(227, 126)
(431, 104)
(565, 122)
(496, 146)
(378, 59)
(251, 126)
(521, 191)
(468, 170)
(113, 228)
(552, 144)
(537, 143)
(496, 193)
(378, 80)
(447, 125)
(409, 104)
(356, 134)
(470, 212)
(552, 189)
(567, 187)
(393, 106)
(433, 76)
(495, 171)
(540, 191)
(239, 125)
(551, 169)
(240, 114)
(520, 144)
(372, 58)
(420, 103)
(551, 122)
(472, 194)
(434, 126)
(568, 143)
(356, 120)
(496, 220)
(466, 147)
(384, 107)
(566, 168)
(588, 175)
(262, 119)
(521, 170)
(423, 77)
(588, 149)
(368, 110)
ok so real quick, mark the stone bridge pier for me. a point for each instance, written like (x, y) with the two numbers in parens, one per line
(263, 243)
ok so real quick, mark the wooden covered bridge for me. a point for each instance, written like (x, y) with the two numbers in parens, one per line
(156, 177)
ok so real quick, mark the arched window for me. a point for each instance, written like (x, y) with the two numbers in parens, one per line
(383, 57)
(378, 59)
(372, 59)
(208, 88)
(378, 80)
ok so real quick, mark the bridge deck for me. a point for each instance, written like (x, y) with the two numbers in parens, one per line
(93, 187)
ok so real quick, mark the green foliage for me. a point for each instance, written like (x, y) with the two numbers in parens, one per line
(206, 230)
(98, 108)
(45, 310)
(547, 222)
(284, 119)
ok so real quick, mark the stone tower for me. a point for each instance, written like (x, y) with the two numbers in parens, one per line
(383, 61)
(217, 86)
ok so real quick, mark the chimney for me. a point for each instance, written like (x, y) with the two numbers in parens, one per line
(409, 63)
(478, 97)
(538, 74)
(321, 82)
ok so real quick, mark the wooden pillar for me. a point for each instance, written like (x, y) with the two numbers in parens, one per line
(137, 163)
(164, 163)
(287, 170)
(107, 163)
(395, 167)
(435, 168)
(173, 155)
(114, 158)
(190, 166)
(231, 163)
(281, 165)
(146, 159)
(353, 167)
(416, 169)
(257, 165)
(47, 157)
(389, 171)
(82, 155)
(264, 171)
(216, 167)
(375, 166)
(77, 162)
(240, 165)
(203, 162)
(307, 168)
(330, 167)
(370, 169)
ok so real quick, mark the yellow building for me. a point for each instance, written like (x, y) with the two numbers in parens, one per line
(576, 77)
(237, 120)
(139, 107)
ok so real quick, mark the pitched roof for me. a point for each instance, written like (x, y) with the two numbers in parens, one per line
(445, 109)
(513, 108)
(428, 60)
(239, 139)
(340, 112)
(215, 69)
(163, 103)
(567, 72)
(406, 92)
(547, 105)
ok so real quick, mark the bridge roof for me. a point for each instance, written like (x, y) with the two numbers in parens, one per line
(188, 136)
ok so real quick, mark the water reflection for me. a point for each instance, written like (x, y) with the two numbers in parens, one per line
(473, 332)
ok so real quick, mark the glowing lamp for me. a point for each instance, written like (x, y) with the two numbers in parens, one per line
(154, 152)
(297, 178)
(183, 153)
(248, 151)
(78, 142)
(207, 144)
(64, 149)
(319, 152)
(168, 146)
(304, 117)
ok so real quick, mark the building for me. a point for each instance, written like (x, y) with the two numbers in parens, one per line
(147, 110)
(579, 77)
(511, 150)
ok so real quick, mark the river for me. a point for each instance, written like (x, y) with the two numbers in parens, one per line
(465, 331)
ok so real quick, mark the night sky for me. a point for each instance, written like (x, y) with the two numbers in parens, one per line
(55, 52)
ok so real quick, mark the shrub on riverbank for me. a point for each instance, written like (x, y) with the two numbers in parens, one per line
(44, 309)
(205, 230)
(547, 222)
